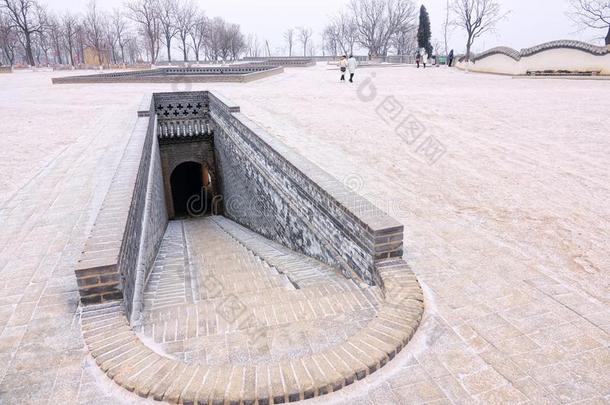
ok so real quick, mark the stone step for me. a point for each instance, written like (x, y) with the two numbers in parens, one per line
(302, 270)
(220, 316)
(375, 326)
(125, 359)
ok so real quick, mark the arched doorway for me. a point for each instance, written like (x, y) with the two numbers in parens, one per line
(191, 191)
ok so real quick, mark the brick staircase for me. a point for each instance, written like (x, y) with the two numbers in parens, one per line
(213, 277)
(233, 318)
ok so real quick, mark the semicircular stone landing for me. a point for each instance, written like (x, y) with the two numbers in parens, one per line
(230, 317)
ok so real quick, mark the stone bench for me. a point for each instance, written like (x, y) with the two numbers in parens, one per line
(128, 361)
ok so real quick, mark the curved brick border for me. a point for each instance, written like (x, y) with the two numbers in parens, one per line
(561, 44)
(130, 363)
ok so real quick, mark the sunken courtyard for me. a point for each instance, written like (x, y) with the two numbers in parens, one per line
(265, 235)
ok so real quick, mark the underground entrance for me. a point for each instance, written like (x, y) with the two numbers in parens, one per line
(191, 190)
(315, 288)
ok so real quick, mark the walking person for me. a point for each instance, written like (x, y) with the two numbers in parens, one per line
(352, 63)
(424, 59)
(451, 58)
(343, 67)
(418, 59)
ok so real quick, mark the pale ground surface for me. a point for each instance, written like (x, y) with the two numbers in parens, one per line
(508, 232)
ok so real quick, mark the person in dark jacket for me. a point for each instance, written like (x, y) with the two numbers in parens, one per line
(343, 67)
(450, 59)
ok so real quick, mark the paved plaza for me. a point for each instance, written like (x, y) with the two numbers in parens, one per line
(501, 184)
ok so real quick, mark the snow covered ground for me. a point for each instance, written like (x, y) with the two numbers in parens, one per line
(502, 186)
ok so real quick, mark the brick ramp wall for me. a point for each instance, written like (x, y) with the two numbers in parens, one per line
(107, 269)
(276, 192)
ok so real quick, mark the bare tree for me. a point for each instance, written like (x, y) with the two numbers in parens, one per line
(8, 38)
(592, 14)
(311, 48)
(95, 24)
(342, 31)
(305, 35)
(69, 24)
(252, 46)
(329, 40)
(268, 48)
(224, 41)
(289, 38)
(168, 14)
(476, 17)
(216, 41)
(378, 21)
(53, 29)
(81, 40)
(23, 14)
(42, 40)
(405, 41)
(119, 28)
(185, 19)
(134, 48)
(110, 43)
(198, 34)
(446, 25)
(145, 13)
(236, 41)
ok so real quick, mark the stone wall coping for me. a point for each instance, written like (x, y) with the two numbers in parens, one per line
(146, 106)
(102, 250)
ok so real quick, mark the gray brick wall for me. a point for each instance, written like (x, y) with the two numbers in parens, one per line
(156, 215)
(276, 192)
(107, 269)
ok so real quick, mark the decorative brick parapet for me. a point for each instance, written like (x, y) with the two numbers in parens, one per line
(236, 74)
(561, 44)
(284, 62)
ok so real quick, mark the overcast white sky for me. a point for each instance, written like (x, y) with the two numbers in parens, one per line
(530, 22)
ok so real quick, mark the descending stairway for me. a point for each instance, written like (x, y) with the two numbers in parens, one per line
(230, 317)
(221, 294)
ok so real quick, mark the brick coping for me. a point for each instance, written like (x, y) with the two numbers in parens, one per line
(127, 360)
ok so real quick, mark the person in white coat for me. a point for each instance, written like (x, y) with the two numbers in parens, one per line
(424, 58)
(352, 63)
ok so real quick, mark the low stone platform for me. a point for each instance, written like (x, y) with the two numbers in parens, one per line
(235, 73)
(231, 317)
